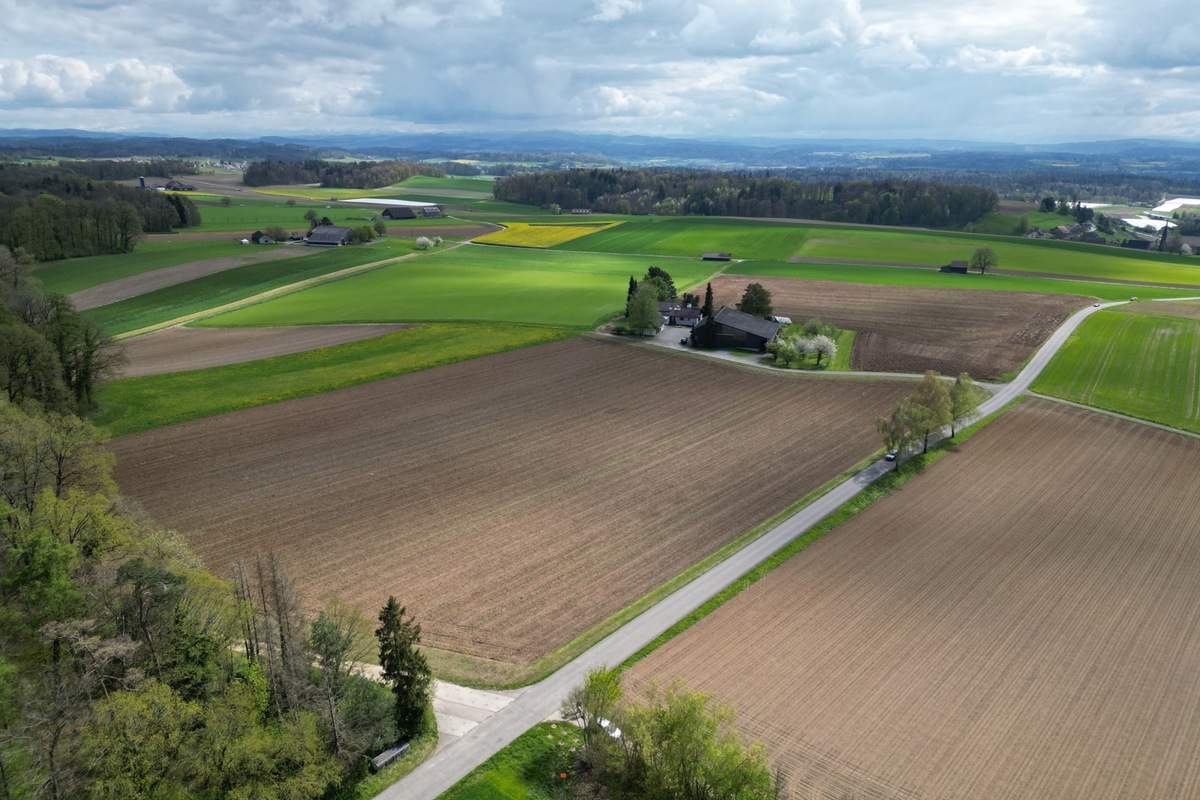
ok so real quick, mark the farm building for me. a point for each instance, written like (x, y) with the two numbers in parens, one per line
(399, 212)
(716, 257)
(956, 266)
(176, 186)
(258, 237)
(431, 211)
(675, 314)
(736, 329)
(329, 236)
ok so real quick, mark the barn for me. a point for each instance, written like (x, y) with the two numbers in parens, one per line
(399, 212)
(329, 236)
(736, 329)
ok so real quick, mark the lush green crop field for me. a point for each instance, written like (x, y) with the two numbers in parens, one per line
(901, 276)
(690, 236)
(1006, 224)
(235, 284)
(246, 214)
(74, 274)
(495, 284)
(775, 241)
(135, 404)
(1133, 360)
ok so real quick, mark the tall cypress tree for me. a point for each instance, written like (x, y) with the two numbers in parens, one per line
(404, 667)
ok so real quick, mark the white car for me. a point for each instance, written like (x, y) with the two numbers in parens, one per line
(890, 455)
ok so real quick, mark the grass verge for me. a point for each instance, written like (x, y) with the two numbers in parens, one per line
(538, 765)
(136, 404)
(881, 488)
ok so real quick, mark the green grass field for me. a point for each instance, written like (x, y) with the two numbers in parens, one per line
(135, 404)
(247, 214)
(235, 284)
(775, 241)
(538, 765)
(494, 284)
(900, 276)
(74, 274)
(1133, 360)
(1000, 224)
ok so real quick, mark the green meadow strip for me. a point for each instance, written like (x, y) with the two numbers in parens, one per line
(136, 404)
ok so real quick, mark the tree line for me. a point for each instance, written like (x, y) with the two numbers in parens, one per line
(672, 192)
(55, 212)
(128, 671)
(934, 405)
(336, 174)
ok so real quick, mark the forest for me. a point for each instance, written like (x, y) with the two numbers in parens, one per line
(622, 191)
(335, 174)
(52, 212)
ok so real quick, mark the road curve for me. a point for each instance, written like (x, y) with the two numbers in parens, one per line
(540, 700)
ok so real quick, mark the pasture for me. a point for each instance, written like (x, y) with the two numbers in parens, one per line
(767, 240)
(1142, 359)
(213, 290)
(515, 501)
(899, 276)
(494, 284)
(1017, 621)
(913, 329)
(75, 274)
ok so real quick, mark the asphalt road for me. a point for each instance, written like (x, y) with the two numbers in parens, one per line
(541, 700)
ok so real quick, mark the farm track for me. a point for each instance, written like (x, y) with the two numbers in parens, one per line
(1019, 621)
(514, 501)
(910, 329)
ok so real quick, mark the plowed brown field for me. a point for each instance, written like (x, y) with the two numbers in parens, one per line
(181, 349)
(511, 502)
(1021, 621)
(913, 329)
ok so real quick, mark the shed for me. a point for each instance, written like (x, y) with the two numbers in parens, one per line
(431, 211)
(258, 237)
(399, 212)
(737, 329)
(330, 236)
(956, 266)
(716, 257)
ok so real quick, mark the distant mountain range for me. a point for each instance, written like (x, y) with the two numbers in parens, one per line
(1139, 156)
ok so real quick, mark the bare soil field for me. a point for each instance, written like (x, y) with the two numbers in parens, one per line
(134, 285)
(182, 349)
(1022, 620)
(913, 329)
(1185, 309)
(511, 502)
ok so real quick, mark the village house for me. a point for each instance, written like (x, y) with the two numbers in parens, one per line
(675, 314)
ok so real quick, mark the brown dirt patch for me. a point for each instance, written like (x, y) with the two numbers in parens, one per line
(511, 502)
(1187, 310)
(135, 285)
(182, 349)
(913, 329)
(1019, 621)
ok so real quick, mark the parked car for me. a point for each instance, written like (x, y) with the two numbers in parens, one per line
(891, 455)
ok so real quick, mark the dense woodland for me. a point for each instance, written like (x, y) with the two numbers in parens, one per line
(61, 211)
(126, 670)
(883, 202)
(335, 174)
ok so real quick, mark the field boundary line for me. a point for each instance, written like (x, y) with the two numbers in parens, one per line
(1100, 410)
(278, 291)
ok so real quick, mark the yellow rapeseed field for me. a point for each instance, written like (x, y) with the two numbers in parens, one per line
(543, 234)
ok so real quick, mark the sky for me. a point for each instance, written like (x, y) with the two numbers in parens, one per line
(1025, 71)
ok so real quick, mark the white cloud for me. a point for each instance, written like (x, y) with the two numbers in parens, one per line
(613, 10)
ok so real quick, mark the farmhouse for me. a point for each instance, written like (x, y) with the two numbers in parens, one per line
(735, 329)
(399, 212)
(675, 314)
(329, 236)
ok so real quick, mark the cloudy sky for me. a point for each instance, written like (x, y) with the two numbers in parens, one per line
(1017, 70)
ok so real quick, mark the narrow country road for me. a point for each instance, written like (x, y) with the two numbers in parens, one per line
(540, 700)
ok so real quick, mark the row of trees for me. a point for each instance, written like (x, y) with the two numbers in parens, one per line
(677, 744)
(934, 405)
(336, 174)
(625, 191)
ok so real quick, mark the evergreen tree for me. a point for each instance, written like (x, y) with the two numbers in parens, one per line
(404, 667)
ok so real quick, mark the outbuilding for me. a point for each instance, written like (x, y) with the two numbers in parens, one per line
(399, 212)
(737, 329)
(329, 236)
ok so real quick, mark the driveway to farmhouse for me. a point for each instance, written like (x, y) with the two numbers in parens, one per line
(541, 701)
